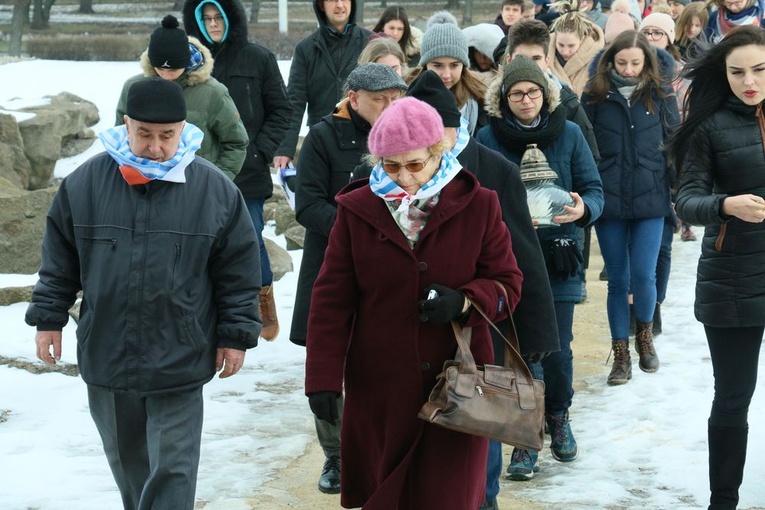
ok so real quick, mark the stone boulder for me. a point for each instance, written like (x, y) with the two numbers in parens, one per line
(59, 129)
(12, 295)
(22, 224)
(14, 165)
(281, 261)
(295, 237)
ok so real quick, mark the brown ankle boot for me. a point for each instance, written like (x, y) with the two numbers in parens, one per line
(268, 313)
(649, 361)
(621, 370)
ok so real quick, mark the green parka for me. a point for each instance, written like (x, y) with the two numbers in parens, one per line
(209, 107)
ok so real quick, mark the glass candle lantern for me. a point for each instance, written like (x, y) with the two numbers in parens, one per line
(545, 198)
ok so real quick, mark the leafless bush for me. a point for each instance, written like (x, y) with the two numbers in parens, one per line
(122, 48)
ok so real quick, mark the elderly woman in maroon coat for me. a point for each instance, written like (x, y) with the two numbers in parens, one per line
(421, 225)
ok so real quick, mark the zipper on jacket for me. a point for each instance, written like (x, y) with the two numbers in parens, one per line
(109, 240)
(175, 263)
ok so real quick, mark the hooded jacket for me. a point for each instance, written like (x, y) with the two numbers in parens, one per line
(317, 78)
(253, 79)
(568, 154)
(635, 174)
(209, 107)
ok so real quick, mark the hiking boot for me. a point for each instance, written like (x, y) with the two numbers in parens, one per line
(649, 361)
(621, 370)
(523, 465)
(687, 234)
(563, 445)
(268, 313)
(656, 330)
(489, 505)
(329, 481)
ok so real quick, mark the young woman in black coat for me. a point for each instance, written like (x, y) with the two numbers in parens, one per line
(719, 150)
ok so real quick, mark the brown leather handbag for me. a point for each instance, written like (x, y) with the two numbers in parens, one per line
(502, 403)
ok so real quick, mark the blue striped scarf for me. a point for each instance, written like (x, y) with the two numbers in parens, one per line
(115, 142)
(463, 137)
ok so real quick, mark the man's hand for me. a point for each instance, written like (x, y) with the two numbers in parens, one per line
(230, 360)
(45, 340)
(282, 161)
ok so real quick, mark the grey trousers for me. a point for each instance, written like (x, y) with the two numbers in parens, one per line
(328, 434)
(152, 444)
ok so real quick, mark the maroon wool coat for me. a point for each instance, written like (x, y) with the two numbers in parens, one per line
(365, 335)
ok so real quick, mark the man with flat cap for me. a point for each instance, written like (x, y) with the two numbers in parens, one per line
(162, 247)
(331, 150)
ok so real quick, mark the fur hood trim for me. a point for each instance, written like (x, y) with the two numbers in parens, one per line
(494, 96)
(195, 77)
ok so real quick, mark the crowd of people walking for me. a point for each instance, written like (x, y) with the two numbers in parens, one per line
(411, 187)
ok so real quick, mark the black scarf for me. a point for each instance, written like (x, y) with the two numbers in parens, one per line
(515, 139)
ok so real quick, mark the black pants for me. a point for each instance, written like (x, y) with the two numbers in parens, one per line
(735, 353)
(152, 445)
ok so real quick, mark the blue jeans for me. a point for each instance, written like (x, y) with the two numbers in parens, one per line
(255, 207)
(557, 371)
(664, 263)
(630, 250)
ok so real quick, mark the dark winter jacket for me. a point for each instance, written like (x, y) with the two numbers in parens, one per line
(633, 169)
(575, 113)
(209, 107)
(315, 81)
(170, 272)
(536, 332)
(725, 158)
(569, 156)
(365, 336)
(253, 79)
(330, 151)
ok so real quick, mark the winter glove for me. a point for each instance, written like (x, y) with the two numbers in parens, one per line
(565, 258)
(324, 405)
(446, 306)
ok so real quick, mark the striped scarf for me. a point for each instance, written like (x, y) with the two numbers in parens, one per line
(463, 137)
(115, 142)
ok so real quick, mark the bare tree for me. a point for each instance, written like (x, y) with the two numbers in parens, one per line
(178, 5)
(86, 7)
(20, 18)
(467, 13)
(41, 14)
(452, 5)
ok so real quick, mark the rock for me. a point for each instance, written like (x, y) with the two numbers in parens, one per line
(295, 237)
(22, 224)
(11, 295)
(281, 261)
(284, 217)
(54, 127)
(14, 165)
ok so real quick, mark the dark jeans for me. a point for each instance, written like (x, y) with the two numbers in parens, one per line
(152, 444)
(735, 353)
(255, 207)
(664, 262)
(630, 249)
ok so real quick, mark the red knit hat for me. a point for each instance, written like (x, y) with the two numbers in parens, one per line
(406, 125)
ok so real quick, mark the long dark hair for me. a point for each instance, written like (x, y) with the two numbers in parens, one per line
(709, 86)
(650, 80)
(395, 13)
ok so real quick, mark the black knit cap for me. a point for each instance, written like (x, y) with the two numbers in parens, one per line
(156, 101)
(429, 88)
(169, 45)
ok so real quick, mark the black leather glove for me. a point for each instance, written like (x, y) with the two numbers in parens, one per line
(446, 306)
(324, 405)
(536, 357)
(565, 258)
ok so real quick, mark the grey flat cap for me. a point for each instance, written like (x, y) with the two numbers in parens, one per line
(374, 78)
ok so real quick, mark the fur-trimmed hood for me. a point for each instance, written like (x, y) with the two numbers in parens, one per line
(190, 78)
(235, 15)
(494, 95)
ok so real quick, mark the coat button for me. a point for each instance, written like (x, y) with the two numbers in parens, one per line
(422, 266)
(425, 366)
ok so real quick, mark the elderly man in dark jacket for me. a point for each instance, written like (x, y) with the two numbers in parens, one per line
(320, 66)
(331, 150)
(253, 79)
(161, 245)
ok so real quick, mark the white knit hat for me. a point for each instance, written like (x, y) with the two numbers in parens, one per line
(662, 21)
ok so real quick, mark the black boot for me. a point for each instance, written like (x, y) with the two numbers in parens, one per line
(621, 370)
(657, 320)
(727, 455)
(329, 481)
(649, 361)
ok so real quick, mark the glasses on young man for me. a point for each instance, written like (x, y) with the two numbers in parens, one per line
(218, 19)
(413, 166)
(654, 35)
(517, 97)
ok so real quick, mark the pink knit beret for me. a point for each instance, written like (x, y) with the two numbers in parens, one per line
(406, 125)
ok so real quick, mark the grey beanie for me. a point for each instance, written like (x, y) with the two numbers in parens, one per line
(524, 69)
(374, 78)
(443, 38)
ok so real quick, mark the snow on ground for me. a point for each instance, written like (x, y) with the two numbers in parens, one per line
(643, 445)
